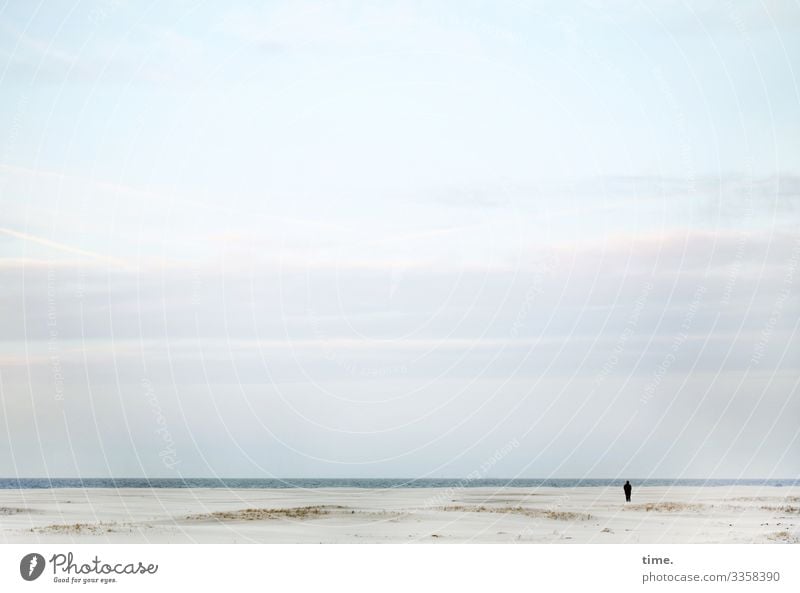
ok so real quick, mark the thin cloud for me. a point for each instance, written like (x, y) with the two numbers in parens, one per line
(63, 247)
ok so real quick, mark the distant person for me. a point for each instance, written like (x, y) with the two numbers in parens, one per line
(627, 488)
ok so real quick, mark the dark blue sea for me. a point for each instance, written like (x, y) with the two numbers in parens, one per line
(230, 483)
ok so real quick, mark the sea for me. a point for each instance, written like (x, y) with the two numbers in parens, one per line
(372, 483)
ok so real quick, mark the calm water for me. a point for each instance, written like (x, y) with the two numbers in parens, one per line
(14, 483)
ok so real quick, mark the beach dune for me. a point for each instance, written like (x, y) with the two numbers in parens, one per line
(677, 514)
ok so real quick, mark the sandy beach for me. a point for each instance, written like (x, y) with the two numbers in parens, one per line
(737, 514)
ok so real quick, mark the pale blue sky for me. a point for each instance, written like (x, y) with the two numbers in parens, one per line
(389, 238)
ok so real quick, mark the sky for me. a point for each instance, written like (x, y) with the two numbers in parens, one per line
(399, 239)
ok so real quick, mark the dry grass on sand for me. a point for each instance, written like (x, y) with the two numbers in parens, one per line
(83, 528)
(666, 507)
(14, 511)
(308, 512)
(783, 536)
(527, 512)
(785, 509)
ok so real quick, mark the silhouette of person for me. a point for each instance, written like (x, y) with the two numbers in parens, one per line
(627, 488)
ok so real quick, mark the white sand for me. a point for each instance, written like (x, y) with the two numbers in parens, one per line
(741, 514)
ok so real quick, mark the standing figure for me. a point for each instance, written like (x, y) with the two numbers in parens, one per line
(627, 488)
